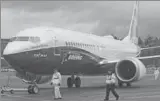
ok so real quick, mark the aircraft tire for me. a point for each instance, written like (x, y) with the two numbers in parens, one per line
(11, 91)
(30, 89)
(120, 84)
(35, 89)
(77, 82)
(69, 82)
(128, 84)
(2, 91)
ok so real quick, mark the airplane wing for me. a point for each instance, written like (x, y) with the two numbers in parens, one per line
(150, 48)
(149, 57)
(105, 61)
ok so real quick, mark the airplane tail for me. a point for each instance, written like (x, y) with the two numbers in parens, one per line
(133, 30)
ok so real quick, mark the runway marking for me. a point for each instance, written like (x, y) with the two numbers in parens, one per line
(23, 97)
(135, 97)
(130, 93)
(135, 93)
(131, 97)
(147, 96)
(112, 98)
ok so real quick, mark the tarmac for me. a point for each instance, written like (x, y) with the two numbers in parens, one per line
(92, 89)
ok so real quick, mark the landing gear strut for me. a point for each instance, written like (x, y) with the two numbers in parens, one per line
(73, 80)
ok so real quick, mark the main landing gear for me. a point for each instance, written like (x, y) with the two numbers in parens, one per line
(120, 84)
(74, 80)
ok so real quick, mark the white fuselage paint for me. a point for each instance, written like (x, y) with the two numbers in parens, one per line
(102, 46)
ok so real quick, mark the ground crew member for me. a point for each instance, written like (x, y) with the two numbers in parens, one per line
(110, 85)
(56, 82)
(156, 74)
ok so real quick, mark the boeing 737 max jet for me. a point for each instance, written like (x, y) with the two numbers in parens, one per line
(35, 52)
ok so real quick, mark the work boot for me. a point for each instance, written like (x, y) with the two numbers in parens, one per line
(117, 97)
(55, 98)
(106, 99)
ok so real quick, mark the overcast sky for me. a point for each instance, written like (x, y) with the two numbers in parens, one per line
(98, 17)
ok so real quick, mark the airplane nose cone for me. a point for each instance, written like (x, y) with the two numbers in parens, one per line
(14, 53)
(13, 47)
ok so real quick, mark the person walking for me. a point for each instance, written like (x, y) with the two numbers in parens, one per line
(110, 85)
(56, 82)
(156, 73)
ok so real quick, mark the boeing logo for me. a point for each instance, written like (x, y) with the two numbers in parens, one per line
(75, 57)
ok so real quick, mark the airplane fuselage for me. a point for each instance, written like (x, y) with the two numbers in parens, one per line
(70, 51)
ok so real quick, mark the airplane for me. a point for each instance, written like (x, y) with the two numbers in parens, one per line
(35, 52)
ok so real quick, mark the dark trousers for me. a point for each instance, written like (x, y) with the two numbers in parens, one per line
(110, 87)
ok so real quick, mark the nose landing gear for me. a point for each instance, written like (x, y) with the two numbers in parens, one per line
(33, 89)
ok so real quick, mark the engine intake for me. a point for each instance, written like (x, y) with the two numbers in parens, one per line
(130, 70)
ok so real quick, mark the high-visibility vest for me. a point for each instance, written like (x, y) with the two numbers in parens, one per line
(156, 72)
(110, 79)
(56, 78)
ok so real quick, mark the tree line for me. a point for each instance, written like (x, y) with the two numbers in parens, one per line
(149, 41)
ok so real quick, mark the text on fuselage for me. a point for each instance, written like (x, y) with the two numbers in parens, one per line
(74, 57)
(40, 55)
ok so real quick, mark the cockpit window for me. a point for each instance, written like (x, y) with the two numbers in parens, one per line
(22, 38)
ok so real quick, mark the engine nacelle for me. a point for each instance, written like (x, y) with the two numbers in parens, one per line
(130, 70)
(30, 77)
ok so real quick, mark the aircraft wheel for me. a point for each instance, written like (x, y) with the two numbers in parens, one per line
(35, 89)
(128, 84)
(30, 89)
(2, 91)
(11, 91)
(77, 82)
(120, 84)
(69, 82)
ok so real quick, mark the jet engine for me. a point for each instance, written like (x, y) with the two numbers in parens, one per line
(130, 70)
(32, 78)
